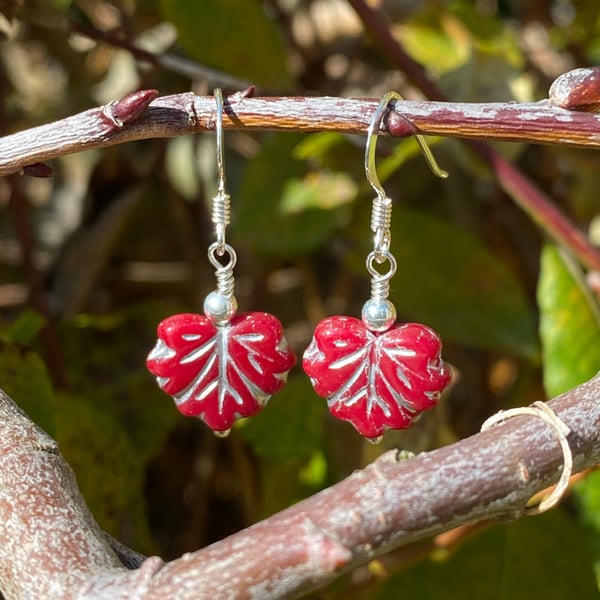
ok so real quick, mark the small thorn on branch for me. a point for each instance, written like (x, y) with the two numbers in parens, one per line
(129, 108)
(38, 170)
(243, 94)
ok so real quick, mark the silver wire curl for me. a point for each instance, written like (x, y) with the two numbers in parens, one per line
(381, 215)
(221, 217)
(223, 272)
(380, 282)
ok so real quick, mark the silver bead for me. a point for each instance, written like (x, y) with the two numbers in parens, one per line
(219, 309)
(378, 315)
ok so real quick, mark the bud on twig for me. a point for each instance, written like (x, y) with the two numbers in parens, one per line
(130, 107)
(578, 89)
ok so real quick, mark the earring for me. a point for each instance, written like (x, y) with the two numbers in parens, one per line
(374, 373)
(221, 366)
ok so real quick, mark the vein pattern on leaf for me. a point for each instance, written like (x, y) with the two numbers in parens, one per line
(366, 373)
(221, 373)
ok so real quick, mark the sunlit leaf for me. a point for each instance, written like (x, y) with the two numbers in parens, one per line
(315, 471)
(181, 166)
(439, 41)
(401, 152)
(318, 145)
(319, 189)
(569, 323)
(488, 33)
(284, 219)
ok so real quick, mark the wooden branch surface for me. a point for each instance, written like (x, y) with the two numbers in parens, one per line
(49, 543)
(186, 113)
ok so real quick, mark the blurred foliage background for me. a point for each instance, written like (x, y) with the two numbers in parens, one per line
(92, 258)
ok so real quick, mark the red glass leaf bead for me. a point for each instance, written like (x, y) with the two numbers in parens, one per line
(376, 381)
(220, 373)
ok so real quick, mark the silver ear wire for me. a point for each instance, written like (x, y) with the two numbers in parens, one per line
(221, 215)
(220, 146)
(221, 306)
(372, 133)
(378, 313)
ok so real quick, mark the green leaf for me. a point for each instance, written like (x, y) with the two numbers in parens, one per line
(587, 493)
(114, 419)
(232, 35)
(449, 280)
(288, 437)
(488, 33)
(61, 4)
(180, 165)
(436, 40)
(291, 427)
(282, 209)
(401, 152)
(318, 189)
(318, 145)
(108, 469)
(24, 378)
(533, 559)
(25, 328)
(569, 323)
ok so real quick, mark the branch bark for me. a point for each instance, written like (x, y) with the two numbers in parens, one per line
(51, 547)
(186, 113)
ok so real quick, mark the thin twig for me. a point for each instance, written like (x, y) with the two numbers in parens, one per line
(186, 113)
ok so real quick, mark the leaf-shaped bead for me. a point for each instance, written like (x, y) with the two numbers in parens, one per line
(377, 381)
(221, 373)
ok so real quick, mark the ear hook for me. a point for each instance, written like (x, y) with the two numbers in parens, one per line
(221, 201)
(219, 130)
(372, 134)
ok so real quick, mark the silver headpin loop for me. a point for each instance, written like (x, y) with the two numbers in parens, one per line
(221, 211)
(220, 306)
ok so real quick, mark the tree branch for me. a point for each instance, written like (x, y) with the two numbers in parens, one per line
(49, 540)
(140, 116)
(186, 113)
(390, 503)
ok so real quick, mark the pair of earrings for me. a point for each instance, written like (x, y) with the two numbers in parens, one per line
(374, 373)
